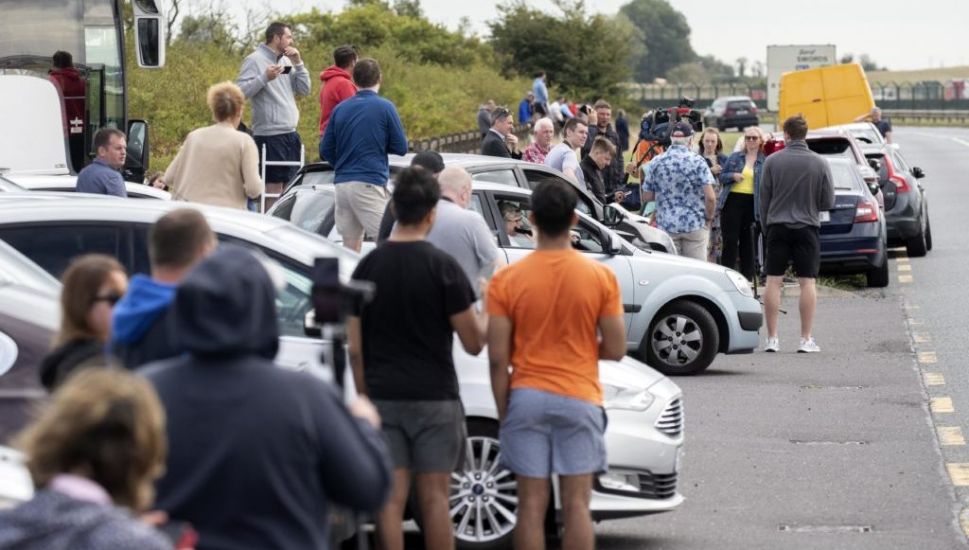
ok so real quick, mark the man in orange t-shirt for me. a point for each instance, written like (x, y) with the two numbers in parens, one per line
(547, 314)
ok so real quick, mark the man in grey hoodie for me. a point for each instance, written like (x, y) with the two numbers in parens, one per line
(270, 78)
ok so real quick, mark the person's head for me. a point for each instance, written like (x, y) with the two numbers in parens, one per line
(104, 424)
(430, 161)
(226, 102)
(795, 128)
(602, 152)
(540, 74)
(490, 105)
(553, 208)
(544, 132)
(279, 36)
(512, 216)
(753, 139)
(62, 60)
(575, 132)
(502, 121)
(710, 142)
(92, 285)
(112, 147)
(455, 184)
(876, 114)
(415, 198)
(178, 240)
(682, 134)
(603, 113)
(345, 56)
(155, 180)
(366, 74)
(530, 96)
(620, 114)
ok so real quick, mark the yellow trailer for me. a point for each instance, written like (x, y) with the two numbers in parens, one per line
(825, 96)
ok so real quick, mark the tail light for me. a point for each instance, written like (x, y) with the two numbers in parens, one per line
(866, 211)
(753, 109)
(901, 184)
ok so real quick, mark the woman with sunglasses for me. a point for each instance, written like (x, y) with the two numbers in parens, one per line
(93, 284)
(739, 201)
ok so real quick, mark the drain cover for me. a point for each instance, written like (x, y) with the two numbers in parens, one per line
(826, 528)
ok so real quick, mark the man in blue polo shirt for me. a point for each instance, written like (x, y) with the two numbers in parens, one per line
(103, 176)
(362, 131)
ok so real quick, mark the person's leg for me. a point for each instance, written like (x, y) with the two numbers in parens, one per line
(677, 239)
(390, 518)
(778, 256)
(807, 305)
(369, 205)
(695, 244)
(746, 238)
(576, 494)
(730, 228)
(772, 303)
(533, 495)
(807, 261)
(347, 224)
(432, 495)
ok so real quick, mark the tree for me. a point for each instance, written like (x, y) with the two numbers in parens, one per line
(410, 8)
(214, 28)
(666, 36)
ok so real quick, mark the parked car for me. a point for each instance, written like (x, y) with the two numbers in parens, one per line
(729, 112)
(516, 173)
(645, 430)
(906, 206)
(865, 132)
(67, 184)
(853, 237)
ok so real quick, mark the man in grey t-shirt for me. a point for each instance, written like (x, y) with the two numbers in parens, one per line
(562, 157)
(463, 233)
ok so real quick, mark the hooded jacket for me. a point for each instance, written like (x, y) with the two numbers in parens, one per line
(255, 451)
(74, 91)
(142, 326)
(55, 521)
(69, 356)
(337, 86)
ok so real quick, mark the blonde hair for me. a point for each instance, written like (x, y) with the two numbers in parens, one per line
(225, 100)
(81, 283)
(760, 134)
(104, 424)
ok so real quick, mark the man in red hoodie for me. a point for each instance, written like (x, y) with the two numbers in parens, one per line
(72, 86)
(337, 85)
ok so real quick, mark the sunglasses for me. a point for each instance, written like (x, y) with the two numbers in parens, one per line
(111, 299)
(751, 138)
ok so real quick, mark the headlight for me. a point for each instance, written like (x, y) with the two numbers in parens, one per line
(630, 399)
(741, 282)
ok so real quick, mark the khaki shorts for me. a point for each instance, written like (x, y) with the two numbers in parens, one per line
(359, 208)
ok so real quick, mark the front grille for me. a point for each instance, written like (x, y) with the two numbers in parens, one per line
(671, 421)
(658, 486)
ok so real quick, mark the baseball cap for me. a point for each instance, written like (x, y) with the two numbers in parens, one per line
(429, 160)
(683, 128)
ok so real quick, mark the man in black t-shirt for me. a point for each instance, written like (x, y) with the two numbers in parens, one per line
(880, 121)
(401, 354)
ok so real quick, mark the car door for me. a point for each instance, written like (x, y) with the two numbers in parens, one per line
(588, 204)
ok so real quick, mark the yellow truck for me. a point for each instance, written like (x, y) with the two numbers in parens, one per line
(825, 96)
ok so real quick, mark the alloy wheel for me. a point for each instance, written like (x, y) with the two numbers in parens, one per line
(484, 495)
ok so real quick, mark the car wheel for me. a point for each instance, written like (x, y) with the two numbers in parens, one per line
(682, 339)
(878, 277)
(928, 233)
(721, 128)
(916, 247)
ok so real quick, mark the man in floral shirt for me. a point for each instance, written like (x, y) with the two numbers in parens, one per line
(682, 186)
(542, 142)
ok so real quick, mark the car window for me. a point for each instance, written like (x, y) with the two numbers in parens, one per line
(283, 208)
(316, 178)
(832, 147)
(740, 105)
(900, 162)
(586, 237)
(844, 176)
(514, 213)
(52, 246)
(310, 208)
(535, 177)
(504, 176)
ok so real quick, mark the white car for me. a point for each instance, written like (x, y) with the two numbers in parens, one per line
(67, 184)
(644, 436)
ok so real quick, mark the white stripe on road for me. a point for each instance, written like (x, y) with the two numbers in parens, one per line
(961, 141)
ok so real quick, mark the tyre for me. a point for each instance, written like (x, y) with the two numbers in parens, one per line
(878, 277)
(721, 128)
(928, 233)
(916, 247)
(682, 339)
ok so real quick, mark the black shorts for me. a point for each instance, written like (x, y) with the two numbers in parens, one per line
(798, 245)
(282, 147)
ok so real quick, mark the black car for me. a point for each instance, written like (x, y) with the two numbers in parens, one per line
(729, 112)
(906, 206)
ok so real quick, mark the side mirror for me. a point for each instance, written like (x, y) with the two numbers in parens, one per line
(917, 172)
(149, 34)
(611, 215)
(613, 246)
(136, 163)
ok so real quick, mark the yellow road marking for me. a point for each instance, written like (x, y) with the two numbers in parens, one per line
(906, 267)
(905, 279)
(941, 405)
(964, 521)
(933, 379)
(903, 259)
(928, 358)
(951, 435)
(959, 473)
(921, 337)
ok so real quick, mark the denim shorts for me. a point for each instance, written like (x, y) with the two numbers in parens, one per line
(424, 436)
(544, 434)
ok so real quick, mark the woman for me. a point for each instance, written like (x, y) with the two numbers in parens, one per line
(93, 284)
(516, 227)
(218, 164)
(93, 454)
(711, 149)
(740, 202)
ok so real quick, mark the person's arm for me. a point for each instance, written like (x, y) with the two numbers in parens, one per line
(709, 202)
(611, 322)
(483, 243)
(328, 147)
(355, 351)
(863, 118)
(300, 78)
(397, 140)
(765, 193)
(251, 79)
(729, 171)
(472, 329)
(648, 192)
(115, 186)
(888, 131)
(499, 358)
(827, 189)
(252, 184)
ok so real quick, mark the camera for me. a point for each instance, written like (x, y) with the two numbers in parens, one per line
(658, 124)
(333, 300)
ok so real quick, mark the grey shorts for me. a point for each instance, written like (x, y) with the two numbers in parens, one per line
(359, 209)
(544, 434)
(424, 436)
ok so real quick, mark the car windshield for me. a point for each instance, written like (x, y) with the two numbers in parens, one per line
(831, 147)
(311, 207)
(743, 104)
(316, 178)
(868, 135)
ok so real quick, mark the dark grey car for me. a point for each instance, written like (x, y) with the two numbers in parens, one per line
(906, 206)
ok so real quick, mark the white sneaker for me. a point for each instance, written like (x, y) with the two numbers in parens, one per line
(808, 346)
(772, 345)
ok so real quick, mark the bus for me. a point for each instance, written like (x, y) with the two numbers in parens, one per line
(91, 33)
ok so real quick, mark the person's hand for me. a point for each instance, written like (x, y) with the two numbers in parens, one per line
(363, 408)
(293, 55)
(716, 169)
(483, 287)
(273, 71)
(619, 196)
(737, 178)
(154, 518)
(512, 141)
(631, 168)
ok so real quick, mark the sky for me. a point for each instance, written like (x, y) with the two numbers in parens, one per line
(899, 34)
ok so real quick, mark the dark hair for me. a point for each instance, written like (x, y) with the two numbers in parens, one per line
(796, 127)
(344, 56)
(178, 238)
(603, 144)
(553, 205)
(429, 160)
(498, 114)
(571, 124)
(539, 74)
(102, 138)
(62, 59)
(415, 194)
(81, 283)
(275, 29)
(366, 73)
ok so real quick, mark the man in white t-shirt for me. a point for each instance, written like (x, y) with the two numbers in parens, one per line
(562, 157)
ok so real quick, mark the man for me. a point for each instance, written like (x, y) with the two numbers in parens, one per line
(103, 176)
(555, 112)
(550, 406)
(566, 108)
(142, 324)
(363, 130)
(883, 124)
(270, 77)
(541, 141)
(428, 160)
(562, 157)
(540, 91)
(795, 186)
(500, 141)
(400, 348)
(337, 85)
(526, 108)
(484, 117)
(594, 165)
(463, 233)
(255, 452)
(682, 185)
(612, 175)
(73, 89)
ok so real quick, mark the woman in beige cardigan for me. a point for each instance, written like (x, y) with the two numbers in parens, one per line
(217, 164)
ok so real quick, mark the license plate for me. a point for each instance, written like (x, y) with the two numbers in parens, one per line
(825, 216)
(741, 112)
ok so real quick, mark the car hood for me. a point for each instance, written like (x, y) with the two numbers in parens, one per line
(628, 372)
